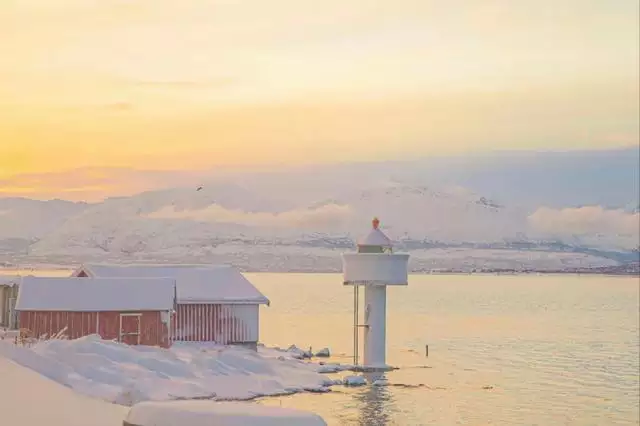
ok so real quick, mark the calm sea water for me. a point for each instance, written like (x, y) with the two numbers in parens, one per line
(503, 350)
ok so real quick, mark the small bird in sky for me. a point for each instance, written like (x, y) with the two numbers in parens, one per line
(199, 188)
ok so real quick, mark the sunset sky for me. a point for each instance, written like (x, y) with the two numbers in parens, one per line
(164, 84)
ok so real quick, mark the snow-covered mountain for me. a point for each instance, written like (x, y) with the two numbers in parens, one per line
(450, 214)
(21, 218)
(186, 218)
(240, 222)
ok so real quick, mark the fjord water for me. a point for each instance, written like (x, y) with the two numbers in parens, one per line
(503, 350)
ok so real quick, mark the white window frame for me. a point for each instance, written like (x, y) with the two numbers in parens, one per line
(137, 334)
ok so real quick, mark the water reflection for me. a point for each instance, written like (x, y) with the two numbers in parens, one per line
(375, 403)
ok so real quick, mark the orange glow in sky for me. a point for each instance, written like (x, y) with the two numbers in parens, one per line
(160, 84)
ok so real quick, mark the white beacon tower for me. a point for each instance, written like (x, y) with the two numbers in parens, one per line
(375, 267)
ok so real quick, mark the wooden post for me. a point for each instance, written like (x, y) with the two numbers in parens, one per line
(426, 351)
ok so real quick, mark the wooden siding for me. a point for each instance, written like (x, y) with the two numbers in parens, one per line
(222, 324)
(106, 324)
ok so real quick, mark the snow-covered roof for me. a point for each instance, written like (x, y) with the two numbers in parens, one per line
(9, 280)
(194, 283)
(375, 238)
(95, 294)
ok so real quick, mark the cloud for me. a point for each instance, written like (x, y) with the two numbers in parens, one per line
(183, 84)
(92, 184)
(622, 138)
(329, 216)
(589, 220)
(118, 106)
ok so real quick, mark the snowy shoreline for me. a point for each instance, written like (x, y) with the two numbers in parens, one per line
(126, 375)
(303, 259)
(631, 269)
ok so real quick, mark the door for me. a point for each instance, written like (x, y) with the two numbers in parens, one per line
(130, 329)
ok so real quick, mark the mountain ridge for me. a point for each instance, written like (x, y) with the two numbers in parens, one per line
(214, 224)
(322, 209)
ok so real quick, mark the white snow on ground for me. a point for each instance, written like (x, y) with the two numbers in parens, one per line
(231, 224)
(355, 381)
(467, 259)
(29, 399)
(128, 374)
(6, 334)
(296, 258)
(323, 353)
(204, 413)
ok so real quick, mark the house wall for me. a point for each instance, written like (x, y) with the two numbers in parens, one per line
(153, 332)
(8, 295)
(224, 324)
(3, 306)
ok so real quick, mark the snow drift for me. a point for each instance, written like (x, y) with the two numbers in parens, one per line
(203, 413)
(129, 374)
(23, 390)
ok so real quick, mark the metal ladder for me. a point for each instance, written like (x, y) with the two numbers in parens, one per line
(356, 325)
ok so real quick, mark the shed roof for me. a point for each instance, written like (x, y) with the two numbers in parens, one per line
(9, 280)
(95, 294)
(194, 283)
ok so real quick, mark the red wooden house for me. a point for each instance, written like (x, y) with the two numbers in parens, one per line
(214, 303)
(135, 311)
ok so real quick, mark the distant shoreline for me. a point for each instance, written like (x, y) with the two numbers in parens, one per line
(618, 271)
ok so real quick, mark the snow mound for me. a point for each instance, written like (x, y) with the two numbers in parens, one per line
(381, 382)
(335, 368)
(355, 381)
(201, 413)
(130, 374)
(323, 353)
(55, 405)
(297, 353)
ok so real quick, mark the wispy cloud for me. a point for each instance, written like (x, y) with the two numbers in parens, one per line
(330, 216)
(118, 106)
(589, 220)
(92, 184)
(182, 84)
(290, 81)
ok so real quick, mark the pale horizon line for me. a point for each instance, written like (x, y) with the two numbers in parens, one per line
(276, 166)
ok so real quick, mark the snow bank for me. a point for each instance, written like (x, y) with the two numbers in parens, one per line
(28, 399)
(6, 334)
(130, 374)
(205, 413)
(381, 382)
(355, 381)
(297, 353)
(323, 353)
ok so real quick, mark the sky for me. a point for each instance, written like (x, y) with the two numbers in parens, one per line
(166, 85)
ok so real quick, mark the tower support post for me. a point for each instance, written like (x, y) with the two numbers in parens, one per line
(376, 326)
